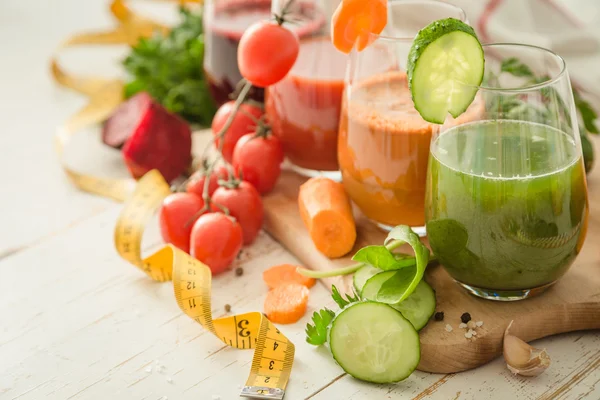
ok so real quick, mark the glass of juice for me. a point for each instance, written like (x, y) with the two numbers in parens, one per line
(224, 23)
(383, 143)
(304, 108)
(506, 204)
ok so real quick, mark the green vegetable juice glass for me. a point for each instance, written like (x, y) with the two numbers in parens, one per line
(506, 201)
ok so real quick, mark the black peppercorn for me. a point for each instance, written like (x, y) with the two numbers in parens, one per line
(239, 271)
(439, 316)
(466, 317)
(227, 308)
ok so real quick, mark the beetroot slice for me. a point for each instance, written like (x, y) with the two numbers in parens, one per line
(125, 119)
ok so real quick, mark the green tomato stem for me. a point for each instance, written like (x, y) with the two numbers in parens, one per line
(345, 270)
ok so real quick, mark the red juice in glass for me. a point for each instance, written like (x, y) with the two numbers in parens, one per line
(304, 108)
(224, 23)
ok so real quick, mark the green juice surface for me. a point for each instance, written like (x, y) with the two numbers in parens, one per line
(506, 204)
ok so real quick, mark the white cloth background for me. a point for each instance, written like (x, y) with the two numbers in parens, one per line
(570, 28)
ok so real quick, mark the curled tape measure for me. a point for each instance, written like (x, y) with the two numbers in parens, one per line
(274, 353)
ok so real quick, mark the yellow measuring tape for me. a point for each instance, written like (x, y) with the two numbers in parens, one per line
(274, 353)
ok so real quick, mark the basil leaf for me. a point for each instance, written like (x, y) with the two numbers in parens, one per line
(515, 67)
(405, 280)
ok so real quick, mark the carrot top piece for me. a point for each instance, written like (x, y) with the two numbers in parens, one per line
(286, 303)
(354, 22)
(285, 273)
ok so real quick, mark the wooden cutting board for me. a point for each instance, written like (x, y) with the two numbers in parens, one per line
(572, 304)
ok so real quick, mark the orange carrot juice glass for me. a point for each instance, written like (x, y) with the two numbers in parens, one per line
(383, 144)
(304, 108)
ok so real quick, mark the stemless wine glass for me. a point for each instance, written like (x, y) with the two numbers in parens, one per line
(383, 144)
(506, 204)
(304, 108)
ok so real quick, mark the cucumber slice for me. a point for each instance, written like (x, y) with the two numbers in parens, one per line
(373, 342)
(417, 308)
(445, 67)
(363, 275)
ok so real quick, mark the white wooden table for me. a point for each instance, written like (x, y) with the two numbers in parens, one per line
(77, 322)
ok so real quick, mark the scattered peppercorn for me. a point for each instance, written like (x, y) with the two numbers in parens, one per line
(239, 271)
(227, 308)
(439, 316)
(466, 317)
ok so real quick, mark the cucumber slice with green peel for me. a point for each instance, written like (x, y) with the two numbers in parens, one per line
(363, 275)
(373, 284)
(417, 308)
(445, 67)
(373, 342)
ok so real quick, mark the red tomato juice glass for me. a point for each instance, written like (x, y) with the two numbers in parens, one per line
(224, 23)
(304, 108)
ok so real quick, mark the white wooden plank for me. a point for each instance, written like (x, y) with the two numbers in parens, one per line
(78, 322)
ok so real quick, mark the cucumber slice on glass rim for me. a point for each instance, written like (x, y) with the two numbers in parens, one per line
(445, 67)
(373, 342)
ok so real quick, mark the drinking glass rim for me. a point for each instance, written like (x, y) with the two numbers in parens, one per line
(436, 3)
(550, 81)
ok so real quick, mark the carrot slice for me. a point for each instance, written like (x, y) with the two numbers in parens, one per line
(285, 273)
(327, 213)
(355, 21)
(286, 303)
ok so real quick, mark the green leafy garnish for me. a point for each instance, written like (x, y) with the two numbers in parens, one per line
(515, 67)
(587, 113)
(339, 298)
(169, 68)
(405, 280)
(316, 334)
(381, 257)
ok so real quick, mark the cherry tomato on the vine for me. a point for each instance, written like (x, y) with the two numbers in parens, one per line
(175, 218)
(244, 203)
(258, 160)
(266, 53)
(216, 241)
(242, 124)
(196, 183)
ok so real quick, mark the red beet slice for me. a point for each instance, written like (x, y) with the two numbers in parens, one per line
(159, 140)
(124, 120)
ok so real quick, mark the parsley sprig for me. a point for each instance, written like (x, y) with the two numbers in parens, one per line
(169, 68)
(316, 333)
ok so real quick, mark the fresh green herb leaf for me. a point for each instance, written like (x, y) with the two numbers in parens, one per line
(339, 298)
(169, 68)
(316, 334)
(405, 280)
(515, 67)
(588, 115)
(377, 256)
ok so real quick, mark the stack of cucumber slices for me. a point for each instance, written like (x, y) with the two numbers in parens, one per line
(374, 336)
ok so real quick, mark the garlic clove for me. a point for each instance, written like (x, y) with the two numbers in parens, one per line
(523, 359)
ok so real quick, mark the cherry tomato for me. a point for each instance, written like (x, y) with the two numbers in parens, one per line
(216, 241)
(241, 125)
(259, 159)
(266, 53)
(175, 216)
(244, 203)
(196, 183)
